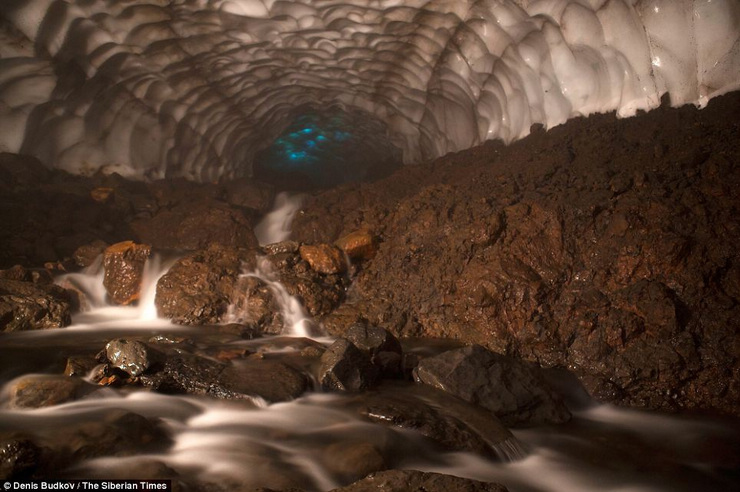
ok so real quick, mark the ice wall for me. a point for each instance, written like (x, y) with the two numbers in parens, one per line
(196, 88)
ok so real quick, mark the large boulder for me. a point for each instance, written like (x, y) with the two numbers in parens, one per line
(515, 391)
(124, 265)
(32, 306)
(199, 288)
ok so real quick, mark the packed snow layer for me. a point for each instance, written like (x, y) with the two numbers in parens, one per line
(195, 88)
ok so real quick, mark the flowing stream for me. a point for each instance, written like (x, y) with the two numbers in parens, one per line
(318, 441)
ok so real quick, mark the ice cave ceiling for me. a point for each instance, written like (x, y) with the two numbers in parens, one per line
(199, 88)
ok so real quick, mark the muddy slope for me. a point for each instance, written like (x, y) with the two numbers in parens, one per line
(607, 246)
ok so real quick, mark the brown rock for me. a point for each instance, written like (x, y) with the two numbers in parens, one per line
(86, 254)
(31, 306)
(124, 268)
(45, 391)
(199, 288)
(358, 245)
(101, 194)
(193, 225)
(324, 258)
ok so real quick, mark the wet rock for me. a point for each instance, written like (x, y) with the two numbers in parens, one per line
(101, 194)
(19, 458)
(194, 225)
(324, 258)
(187, 373)
(117, 433)
(268, 379)
(79, 365)
(344, 367)
(450, 422)
(124, 268)
(199, 288)
(416, 481)
(504, 245)
(46, 391)
(358, 245)
(282, 247)
(381, 346)
(87, 254)
(350, 460)
(513, 390)
(32, 306)
(132, 356)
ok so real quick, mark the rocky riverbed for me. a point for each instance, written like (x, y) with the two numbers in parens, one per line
(439, 301)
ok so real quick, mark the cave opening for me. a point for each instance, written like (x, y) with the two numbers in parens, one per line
(323, 148)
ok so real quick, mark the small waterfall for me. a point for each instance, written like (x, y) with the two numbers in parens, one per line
(296, 321)
(93, 296)
(275, 226)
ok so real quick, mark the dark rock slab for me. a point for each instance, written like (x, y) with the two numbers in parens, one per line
(269, 379)
(443, 418)
(416, 481)
(514, 390)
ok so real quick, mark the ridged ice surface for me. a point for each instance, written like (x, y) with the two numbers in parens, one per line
(196, 88)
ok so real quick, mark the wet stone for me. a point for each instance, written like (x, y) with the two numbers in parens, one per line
(31, 306)
(124, 268)
(324, 258)
(353, 460)
(19, 458)
(79, 365)
(45, 391)
(132, 356)
(344, 367)
(380, 345)
(514, 390)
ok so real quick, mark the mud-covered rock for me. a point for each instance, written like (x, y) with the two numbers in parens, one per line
(416, 481)
(515, 391)
(33, 306)
(344, 367)
(124, 264)
(380, 345)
